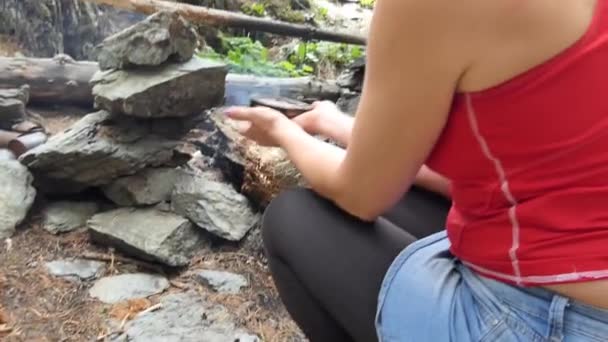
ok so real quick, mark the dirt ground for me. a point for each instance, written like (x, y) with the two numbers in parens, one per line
(35, 306)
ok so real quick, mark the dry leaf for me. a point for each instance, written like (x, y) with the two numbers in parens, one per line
(129, 308)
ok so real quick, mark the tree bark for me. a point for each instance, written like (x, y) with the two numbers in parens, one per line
(61, 80)
(215, 17)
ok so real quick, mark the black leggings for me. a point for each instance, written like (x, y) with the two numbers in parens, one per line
(328, 266)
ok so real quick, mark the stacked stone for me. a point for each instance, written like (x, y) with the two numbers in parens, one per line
(151, 91)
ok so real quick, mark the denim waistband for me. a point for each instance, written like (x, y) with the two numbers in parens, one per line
(538, 302)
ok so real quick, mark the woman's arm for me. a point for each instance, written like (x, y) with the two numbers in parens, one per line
(415, 60)
(327, 120)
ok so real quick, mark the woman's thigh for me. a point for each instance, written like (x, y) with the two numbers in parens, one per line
(338, 258)
(420, 212)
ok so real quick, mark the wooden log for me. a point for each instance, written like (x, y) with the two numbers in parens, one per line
(215, 17)
(61, 80)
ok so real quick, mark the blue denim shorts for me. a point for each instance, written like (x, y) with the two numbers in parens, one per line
(428, 295)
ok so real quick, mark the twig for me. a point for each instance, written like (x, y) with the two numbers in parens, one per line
(151, 309)
(110, 258)
(181, 286)
(124, 321)
(4, 328)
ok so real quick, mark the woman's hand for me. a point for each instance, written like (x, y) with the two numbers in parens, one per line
(326, 119)
(312, 121)
(263, 125)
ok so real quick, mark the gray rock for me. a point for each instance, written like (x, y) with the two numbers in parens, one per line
(185, 317)
(75, 269)
(348, 103)
(12, 105)
(213, 205)
(352, 77)
(16, 197)
(162, 36)
(6, 154)
(150, 186)
(64, 216)
(128, 286)
(147, 233)
(172, 90)
(220, 281)
(98, 149)
(45, 28)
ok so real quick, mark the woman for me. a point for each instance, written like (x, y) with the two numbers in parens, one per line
(506, 98)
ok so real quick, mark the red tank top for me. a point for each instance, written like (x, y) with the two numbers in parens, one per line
(528, 161)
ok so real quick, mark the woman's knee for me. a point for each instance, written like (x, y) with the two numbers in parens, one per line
(286, 215)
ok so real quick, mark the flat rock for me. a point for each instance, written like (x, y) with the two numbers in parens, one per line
(128, 286)
(162, 36)
(16, 197)
(150, 234)
(172, 90)
(213, 205)
(78, 269)
(65, 216)
(221, 281)
(99, 148)
(12, 105)
(148, 187)
(185, 317)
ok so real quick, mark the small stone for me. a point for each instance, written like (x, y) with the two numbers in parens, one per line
(75, 269)
(213, 205)
(224, 282)
(65, 216)
(172, 90)
(162, 36)
(12, 106)
(147, 233)
(185, 317)
(148, 187)
(123, 287)
(7, 155)
(16, 197)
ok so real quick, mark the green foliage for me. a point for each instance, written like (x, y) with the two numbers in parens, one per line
(289, 15)
(246, 56)
(367, 3)
(321, 13)
(256, 9)
(340, 55)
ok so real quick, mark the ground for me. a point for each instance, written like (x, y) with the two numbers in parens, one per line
(35, 306)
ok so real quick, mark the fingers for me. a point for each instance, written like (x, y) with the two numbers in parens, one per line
(239, 113)
(251, 113)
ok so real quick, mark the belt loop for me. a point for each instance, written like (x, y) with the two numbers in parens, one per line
(556, 318)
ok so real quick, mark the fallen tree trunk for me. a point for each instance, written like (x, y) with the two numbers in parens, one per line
(52, 80)
(61, 80)
(215, 17)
